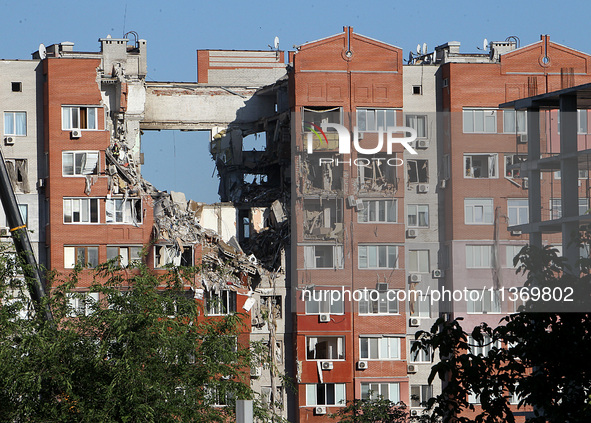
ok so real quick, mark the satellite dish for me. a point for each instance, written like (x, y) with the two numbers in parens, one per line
(424, 48)
(410, 57)
(418, 49)
(42, 51)
(485, 44)
(276, 43)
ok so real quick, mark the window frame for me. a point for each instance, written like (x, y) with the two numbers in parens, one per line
(487, 205)
(14, 132)
(339, 394)
(413, 120)
(380, 347)
(472, 112)
(78, 125)
(359, 111)
(509, 258)
(510, 160)
(120, 257)
(74, 153)
(481, 248)
(507, 118)
(375, 308)
(488, 302)
(419, 261)
(416, 356)
(378, 256)
(417, 214)
(325, 305)
(158, 249)
(85, 249)
(470, 156)
(424, 391)
(337, 256)
(81, 200)
(372, 394)
(225, 303)
(518, 209)
(390, 207)
(111, 205)
(340, 348)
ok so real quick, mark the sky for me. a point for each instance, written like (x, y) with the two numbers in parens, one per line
(174, 30)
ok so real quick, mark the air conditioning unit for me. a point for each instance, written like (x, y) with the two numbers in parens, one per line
(411, 233)
(413, 322)
(324, 317)
(443, 183)
(423, 144)
(76, 133)
(525, 183)
(326, 365)
(351, 201)
(521, 138)
(40, 183)
(515, 232)
(358, 205)
(8, 140)
(319, 411)
(411, 368)
(255, 372)
(362, 365)
(382, 286)
(4, 231)
(423, 188)
(437, 273)
(414, 277)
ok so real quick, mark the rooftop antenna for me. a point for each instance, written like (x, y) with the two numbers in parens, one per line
(42, 51)
(485, 44)
(424, 48)
(418, 49)
(276, 43)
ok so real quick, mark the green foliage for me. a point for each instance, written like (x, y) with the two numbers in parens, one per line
(539, 358)
(376, 410)
(142, 353)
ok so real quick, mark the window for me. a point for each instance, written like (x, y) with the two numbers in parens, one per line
(76, 163)
(518, 211)
(323, 257)
(374, 390)
(372, 120)
(383, 305)
(379, 348)
(478, 211)
(24, 211)
(378, 257)
(514, 121)
(418, 215)
(480, 121)
(319, 301)
(478, 256)
(420, 355)
(17, 87)
(325, 394)
(418, 261)
(511, 159)
(556, 207)
(18, 172)
(15, 123)
(420, 394)
(483, 301)
(583, 174)
(378, 211)
(473, 398)
(269, 399)
(128, 211)
(84, 256)
(418, 171)
(169, 255)
(82, 303)
(419, 123)
(325, 348)
(511, 252)
(421, 307)
(222, 303)
(581, 121)
(81, 210)
(376, 175)
(217, 397)
(271, 305)
(125, 255)
(323, 219)
(483, 347)
(78, 117)
(481, 166)
(417, 89)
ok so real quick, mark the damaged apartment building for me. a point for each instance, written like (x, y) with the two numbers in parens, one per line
(296, 215)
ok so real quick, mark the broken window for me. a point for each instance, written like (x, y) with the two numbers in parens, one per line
(378, 257)
(512, 159)
(325, 348)
(80, 163)
(18, 172)
(270, 400)
(84, 256)
(481, 165)
(323, 256)
(128, 211)
(220, 303)
(81, 210)
(323, 219)
(418, 171)
(377, 173)
(418, 123)
(373, 120)
(322, 173)
(169, 254)
(378, 211)
(79, 117)
(125, 255)
(271, 305)
(314, 117)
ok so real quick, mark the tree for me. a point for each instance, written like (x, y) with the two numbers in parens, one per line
(538, 357)
(142, 353)
(377, 410)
